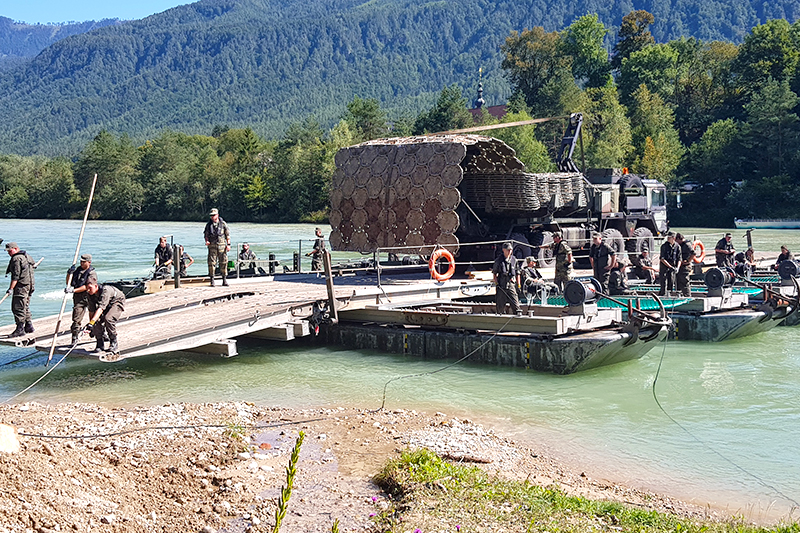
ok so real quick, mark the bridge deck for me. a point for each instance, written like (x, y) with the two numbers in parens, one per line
(207, 319)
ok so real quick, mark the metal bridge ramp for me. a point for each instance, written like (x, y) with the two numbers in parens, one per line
(208, 320)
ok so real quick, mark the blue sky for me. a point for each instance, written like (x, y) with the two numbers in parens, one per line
(44, 11)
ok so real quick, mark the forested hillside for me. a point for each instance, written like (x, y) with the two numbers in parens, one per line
(713, 117)
(266, 64)
(20, 42)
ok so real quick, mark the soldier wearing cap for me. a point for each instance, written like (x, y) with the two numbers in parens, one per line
(218, 241)
(21, 267)
(106, 304)
(563, 254)
(668, 261)
(684, 269)
(724, 251)
(506, 278)
(317, 251)
(618, 280)
(532, 280)
(643, 266)
(603, 259)
(77, 278)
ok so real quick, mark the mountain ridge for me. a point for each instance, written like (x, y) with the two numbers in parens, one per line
(266, 64)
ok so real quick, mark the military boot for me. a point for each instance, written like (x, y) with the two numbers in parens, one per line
(101, 346)
(74, 340)
(113, 348)
(20, 331)
(28, 326)
(211, 274)
(225, 277)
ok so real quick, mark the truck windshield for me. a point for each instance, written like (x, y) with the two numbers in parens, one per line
(658, 198)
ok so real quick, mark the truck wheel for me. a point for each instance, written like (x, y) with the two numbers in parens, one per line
(544, 256)
(521, 251)
(641, 240)
(613, 238)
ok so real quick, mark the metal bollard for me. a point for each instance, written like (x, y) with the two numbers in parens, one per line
(176, 264)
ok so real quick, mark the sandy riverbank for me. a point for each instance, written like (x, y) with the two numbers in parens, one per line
(220, 467)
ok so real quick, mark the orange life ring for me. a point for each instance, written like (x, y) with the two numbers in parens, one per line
(451, 268)
(699, 258)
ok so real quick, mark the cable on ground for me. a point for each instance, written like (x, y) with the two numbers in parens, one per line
(162, 428)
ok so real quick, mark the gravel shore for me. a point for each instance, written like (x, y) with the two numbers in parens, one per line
(220, 467)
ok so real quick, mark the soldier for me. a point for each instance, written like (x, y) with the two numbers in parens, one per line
(106, 304)
(247, 255)
(316, 253)
(21, 267)
(724, 251)
(687, 255)
(163, 258)
(563, 254)
(643, 267)
(186, 260)
(77, 278)
(507, 279)
(532, 280)
(745, 263)
(603, 259)
(670, 257)
(218, 241)
(785, 255)
(618, 280)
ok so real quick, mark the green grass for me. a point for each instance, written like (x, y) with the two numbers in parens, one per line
(433, 495)
(236, 431)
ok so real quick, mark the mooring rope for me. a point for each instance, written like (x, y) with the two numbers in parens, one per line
(706, 445)
(383, 401)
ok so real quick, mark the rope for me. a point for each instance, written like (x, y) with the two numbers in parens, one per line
(704, 444)
(29, 387)
(386, 385)
(17, 360)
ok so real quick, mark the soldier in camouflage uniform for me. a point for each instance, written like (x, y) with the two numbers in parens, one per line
(218, 241)
(563, 254)
(21, 267)
(106, 304)
(506, 278)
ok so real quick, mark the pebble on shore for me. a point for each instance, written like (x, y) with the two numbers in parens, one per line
(201, 467)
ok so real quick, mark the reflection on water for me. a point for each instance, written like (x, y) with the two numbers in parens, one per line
(739, 400)
(716, 378)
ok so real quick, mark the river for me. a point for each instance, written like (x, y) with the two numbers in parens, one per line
(727, 435)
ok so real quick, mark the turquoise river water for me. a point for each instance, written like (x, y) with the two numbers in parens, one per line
(731, 442)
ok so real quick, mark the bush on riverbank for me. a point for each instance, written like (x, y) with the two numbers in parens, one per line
(431, 494)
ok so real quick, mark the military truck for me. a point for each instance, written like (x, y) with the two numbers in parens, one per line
(413, 193)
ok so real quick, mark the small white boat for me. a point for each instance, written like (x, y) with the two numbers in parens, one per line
(767, 223)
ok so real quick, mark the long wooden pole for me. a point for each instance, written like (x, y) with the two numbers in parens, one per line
(74, 262)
